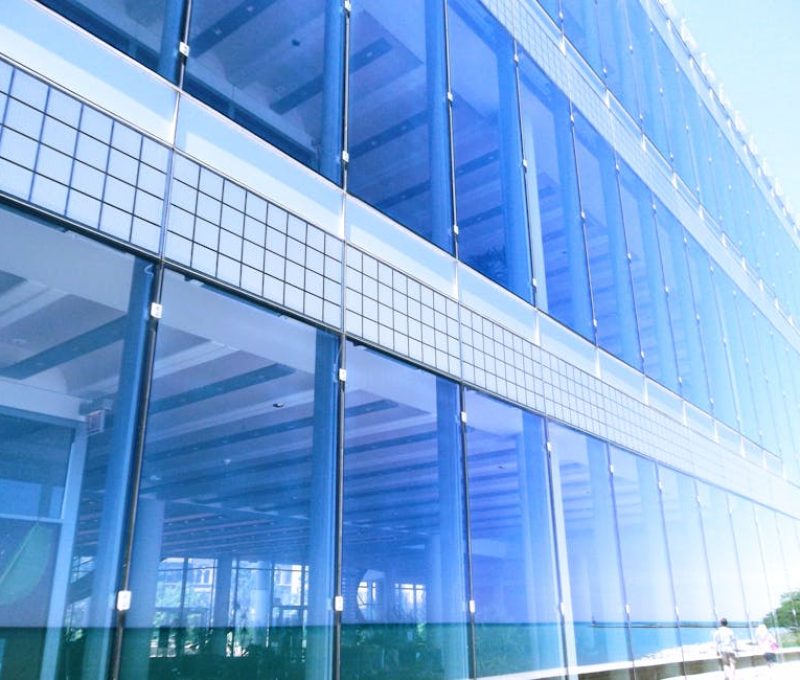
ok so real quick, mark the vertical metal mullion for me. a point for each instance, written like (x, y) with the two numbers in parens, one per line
(470, 591)
(339, 507)
(676, 610)
(346, 99)
(138, 459)
(184, 38)
(561, 557)
(451, 138)
(618, 552)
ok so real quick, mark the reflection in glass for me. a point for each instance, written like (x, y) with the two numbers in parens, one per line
(723, 562)
(403, 544)
(751, 562)
(743, 372)
(397, 127)
(147, 31)
(233, 545)
(609, 276)
(71, 347)
(687, 554)
(648, 83)
(490, 200)
(513, 558)
(682, 317)
(598, 611)
(612, 27)
(580, 27)
(719, 381)
(558, 248)
(645, 568)
(652, 313)
(770, 541)
(276, 68)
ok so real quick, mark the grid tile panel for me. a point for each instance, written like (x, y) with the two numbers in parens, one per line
(499, 361)
(392, 310)
(224, 230)
(62, 155)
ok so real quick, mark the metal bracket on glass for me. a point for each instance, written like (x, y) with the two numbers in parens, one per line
(342, 375)
(345, 156)
(464, 417)
(471, 606)
(183, 49)
(455, 229)
(450, 97)
(156, 310)
(124, 600)
(338, 603)
(549, 447)
(347, 6)
(611, 468)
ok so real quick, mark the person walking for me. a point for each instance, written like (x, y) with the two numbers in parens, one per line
(725, 644)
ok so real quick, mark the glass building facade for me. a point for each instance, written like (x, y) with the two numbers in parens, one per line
(366, 340)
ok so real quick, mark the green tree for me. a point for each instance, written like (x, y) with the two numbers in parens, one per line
(787, 617)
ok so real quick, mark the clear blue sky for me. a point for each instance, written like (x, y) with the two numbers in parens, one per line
(753, 47)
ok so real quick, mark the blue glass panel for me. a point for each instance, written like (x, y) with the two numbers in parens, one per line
(723, 562)
(652, 313)
(612, 26)
(514, 581)
(698, 120)
(790, 551)
(751, 562)
(275, 67)
(680, 147)
(557, 234)
(770, 540)
(71, 352)
(403, 543)
(398, 133)
(645, 567)
(147, 31)
(233, 546)
(729, 300)
(598, 622)
(609, 274)
(778, 371)
(490, 200)
(754, 344)
(648, 82)
(682, 316)
(551, 7)
(719, 381)
(690, 576)
(580, 26)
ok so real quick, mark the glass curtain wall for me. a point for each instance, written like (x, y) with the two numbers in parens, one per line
(398, 132)
(72, 343)
(598, 622)
(655, 642)
(233, 544)
(514, 580)
(689, 567)
(149, 32)
(609, 275)
(559, 252)
(487, 152)
(276, 68)
(652, 314)
(404, 531)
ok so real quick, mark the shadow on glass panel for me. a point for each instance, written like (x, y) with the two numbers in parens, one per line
(403, 554)
(598, 612)
(233, 545)
(70, 356)
(147, 31)
(398, 131)
(515, 588)
(275, 67)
